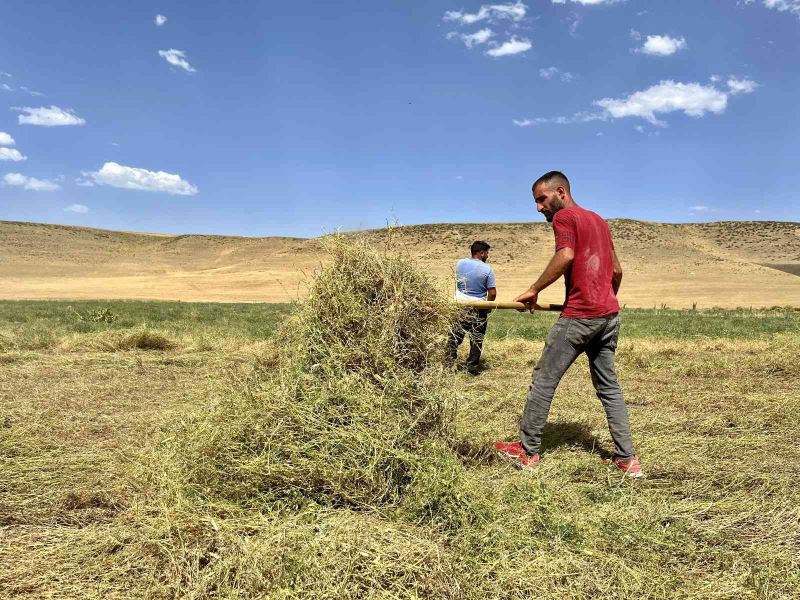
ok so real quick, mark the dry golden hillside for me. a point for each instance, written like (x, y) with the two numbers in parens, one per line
(725, 264)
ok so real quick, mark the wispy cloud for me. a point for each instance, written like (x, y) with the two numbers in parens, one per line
(513, 46)
(30, 183)
(31, 92)
(471, 39)
(177, 58)
(6, 139)
(77, 208)
(6, 87)
(741, 86)
(692, 99)
(160, 20)
(488, 12)
(699, 208)
(553, 72)
(662, 45)
(790, 6)
(132, 178)
(4, 74)
(579, 117)
(48, 116)
(11, 154)
(588, 2)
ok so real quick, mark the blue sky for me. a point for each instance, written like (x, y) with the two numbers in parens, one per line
(276, 118)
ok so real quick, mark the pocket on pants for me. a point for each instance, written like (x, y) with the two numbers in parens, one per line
(615, 335)
(578, 331)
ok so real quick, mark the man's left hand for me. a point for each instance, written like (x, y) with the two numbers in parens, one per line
(528, 298)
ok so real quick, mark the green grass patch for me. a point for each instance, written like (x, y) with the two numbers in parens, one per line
(740, 324)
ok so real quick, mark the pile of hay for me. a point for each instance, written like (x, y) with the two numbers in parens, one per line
(341, 438)
(351, 410)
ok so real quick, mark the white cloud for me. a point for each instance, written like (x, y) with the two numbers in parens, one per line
(4, 74)
(490, 12)
(635, 35)
(30, 183)
(6, 139)
(177, 58)
(479, 37)
(692, 99)
(48, 116)
(741, 86)
(77, 208)
(513, 46)
(6, 87)
(790, 6)
(662, 45)
(698, 208)
(132, 178)
(160, 20)
(551, 72)
(11, 154)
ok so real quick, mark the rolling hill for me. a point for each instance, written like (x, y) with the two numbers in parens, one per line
(726, 264)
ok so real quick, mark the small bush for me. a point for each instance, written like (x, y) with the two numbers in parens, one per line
(146, 340)
(116, 341)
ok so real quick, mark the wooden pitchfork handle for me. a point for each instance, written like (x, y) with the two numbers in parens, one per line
(492, 304)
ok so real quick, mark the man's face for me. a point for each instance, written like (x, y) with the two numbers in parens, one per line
(549, 200)
(483, 255)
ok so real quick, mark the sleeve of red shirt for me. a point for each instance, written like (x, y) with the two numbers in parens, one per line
(564, 229)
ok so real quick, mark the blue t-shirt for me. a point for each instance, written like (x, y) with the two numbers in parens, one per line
(474, 278)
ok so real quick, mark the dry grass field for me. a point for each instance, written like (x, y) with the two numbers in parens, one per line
(735, 264)
(154, 449)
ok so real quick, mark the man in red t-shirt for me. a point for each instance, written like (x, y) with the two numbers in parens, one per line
(589, 322)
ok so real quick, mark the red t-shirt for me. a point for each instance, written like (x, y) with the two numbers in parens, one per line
(588, 280)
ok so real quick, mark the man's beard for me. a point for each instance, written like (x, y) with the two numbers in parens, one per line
(556, 205)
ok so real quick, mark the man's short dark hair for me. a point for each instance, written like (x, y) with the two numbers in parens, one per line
(478, 246)
(550, 176)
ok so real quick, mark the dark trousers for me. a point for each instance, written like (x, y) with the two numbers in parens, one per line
(567, 340)
(474, 324)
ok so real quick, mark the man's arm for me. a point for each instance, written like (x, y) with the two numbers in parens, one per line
(557, 266)
(491, 294)
(616, 277)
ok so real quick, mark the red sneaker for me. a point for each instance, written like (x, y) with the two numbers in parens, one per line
(516, 453)
(630, 466)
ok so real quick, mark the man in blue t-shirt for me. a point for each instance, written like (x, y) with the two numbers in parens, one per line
(474, 281)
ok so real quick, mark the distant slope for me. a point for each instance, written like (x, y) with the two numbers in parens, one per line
(711, 264)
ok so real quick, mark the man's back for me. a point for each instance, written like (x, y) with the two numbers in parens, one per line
(473, 278)
(588, 281)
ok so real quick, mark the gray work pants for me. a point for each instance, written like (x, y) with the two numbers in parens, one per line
(474, 324)
(566, 341)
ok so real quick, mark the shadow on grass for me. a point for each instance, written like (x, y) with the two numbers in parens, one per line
(477, 451)
(571, 433)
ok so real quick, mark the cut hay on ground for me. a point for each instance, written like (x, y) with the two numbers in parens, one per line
(338, 460)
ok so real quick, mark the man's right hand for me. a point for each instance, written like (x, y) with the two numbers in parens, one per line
(529, 298)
